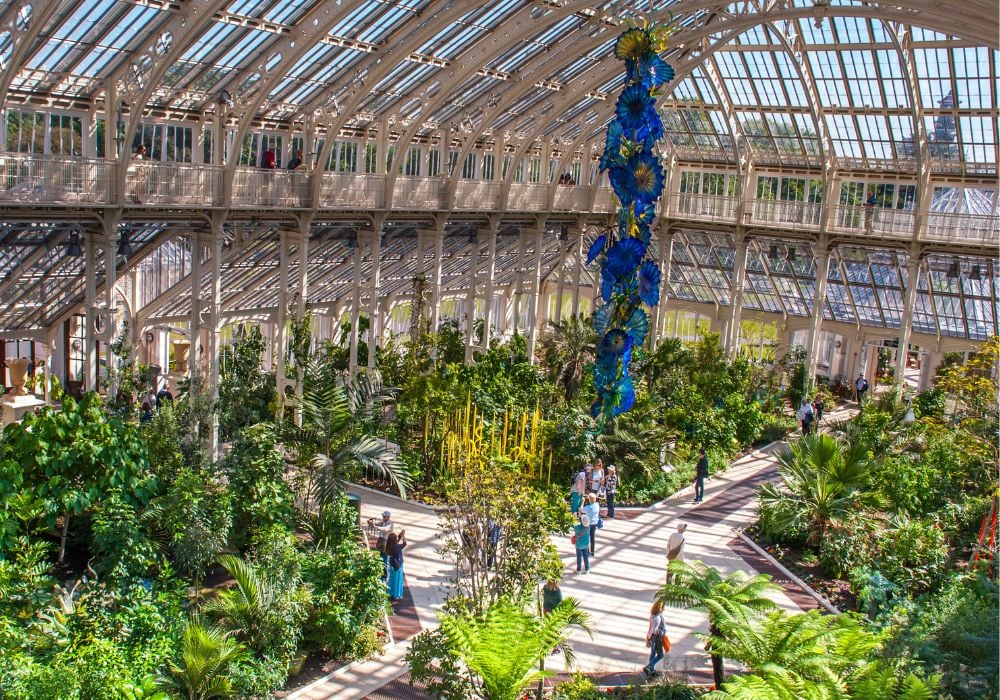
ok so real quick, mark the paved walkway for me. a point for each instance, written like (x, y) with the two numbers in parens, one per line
(625, 573)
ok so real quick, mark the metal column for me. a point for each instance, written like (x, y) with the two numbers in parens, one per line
(732, 339)
(819, 301)
(536, 278)
(909, 305)
(90, 300)
(195, 322)
(374, 329)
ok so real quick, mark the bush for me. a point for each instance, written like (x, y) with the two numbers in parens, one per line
(261, 497)
(196, 518)
(930, 403)
(912, 553)
(847, 548)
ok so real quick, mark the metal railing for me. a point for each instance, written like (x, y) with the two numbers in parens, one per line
(704, 207)
(149, 182)
(481, 195)
(412, 192)
(572, 198)
(54, 179)
(273, 188)
(771, 212)
(525, 196)
(352, 190)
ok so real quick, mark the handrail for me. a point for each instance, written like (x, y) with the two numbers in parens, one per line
(52, 179)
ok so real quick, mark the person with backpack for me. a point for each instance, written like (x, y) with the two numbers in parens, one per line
(861, 386)
(656, 638)
(384, 529)
(805, 415)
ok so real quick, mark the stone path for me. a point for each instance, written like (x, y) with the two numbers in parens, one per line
(625, 573)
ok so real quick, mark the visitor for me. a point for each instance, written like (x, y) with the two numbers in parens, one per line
(700, 474)
(551, 597)
(675, 546)
(147, 412)
(492, 542)
(137, 174)
(610, 488)
(656, 638)
(164, 395)
(395, 544)
(384, 529)
(296, 160)
(578, 489)
(805, 415)
(861, 386)
(818, 407)
(592, 509)
(596, 484)
(581, 538)
(870, 213)
(269, 161)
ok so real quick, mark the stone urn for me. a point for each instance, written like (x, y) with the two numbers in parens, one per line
(182, 349)
(18, 375)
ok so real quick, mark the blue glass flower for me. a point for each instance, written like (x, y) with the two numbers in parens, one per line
(602, 318)
(615, 342)
(655, 70)
(634, 107)
(625, 395)
(624, 257)
(596, 248)
(643, 177)
(612, 146)
(637, 326)
(649, 283)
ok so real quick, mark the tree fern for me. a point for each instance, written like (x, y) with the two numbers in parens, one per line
(503, 646)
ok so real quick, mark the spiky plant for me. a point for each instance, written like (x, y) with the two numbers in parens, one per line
(823, 483)
(728, 601)
(202, 673)
(334, 412)
(503, 647)
(567, 347)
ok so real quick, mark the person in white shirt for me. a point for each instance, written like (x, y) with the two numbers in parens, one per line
(384, 529)
(597, 477)
(805, 415)
(675, 546)
(592, 509)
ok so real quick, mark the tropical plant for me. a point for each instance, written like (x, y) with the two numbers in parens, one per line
(264, 610)
(207, 655)
(823, 484)
(567, 348)
(246, 392)
(332, 434)
(502, 647)
(727, 601)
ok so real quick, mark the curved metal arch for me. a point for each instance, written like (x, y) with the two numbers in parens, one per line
(24, 44)
(184, 29)
(291, 48)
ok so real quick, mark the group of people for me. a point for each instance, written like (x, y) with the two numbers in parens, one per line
(566, 179)
(590, 485)
(809, 413)
(154, 399)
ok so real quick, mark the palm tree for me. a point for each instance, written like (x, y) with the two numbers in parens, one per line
(207, 654)
(504, 646)
(727, 601)
(334, 414)
(567, 348)
(823, 484)
(254, 609)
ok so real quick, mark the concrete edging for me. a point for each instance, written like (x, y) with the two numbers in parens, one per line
(830, 607)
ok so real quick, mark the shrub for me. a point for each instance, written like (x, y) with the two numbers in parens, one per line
(930, 403)
(912, 553)
(261, 497)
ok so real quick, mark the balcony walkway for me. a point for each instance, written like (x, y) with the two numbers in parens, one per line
(28, 181)
(628, 568)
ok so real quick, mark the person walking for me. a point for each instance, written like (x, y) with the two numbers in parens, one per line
(384, 529)
(861, 386)
(581, 538)
(700, 474)
(610, 487)
(592, 509)
(818, 406)
(578, 489)
(656, 638)
(675, 546)
(395, 544)
(805, 415)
